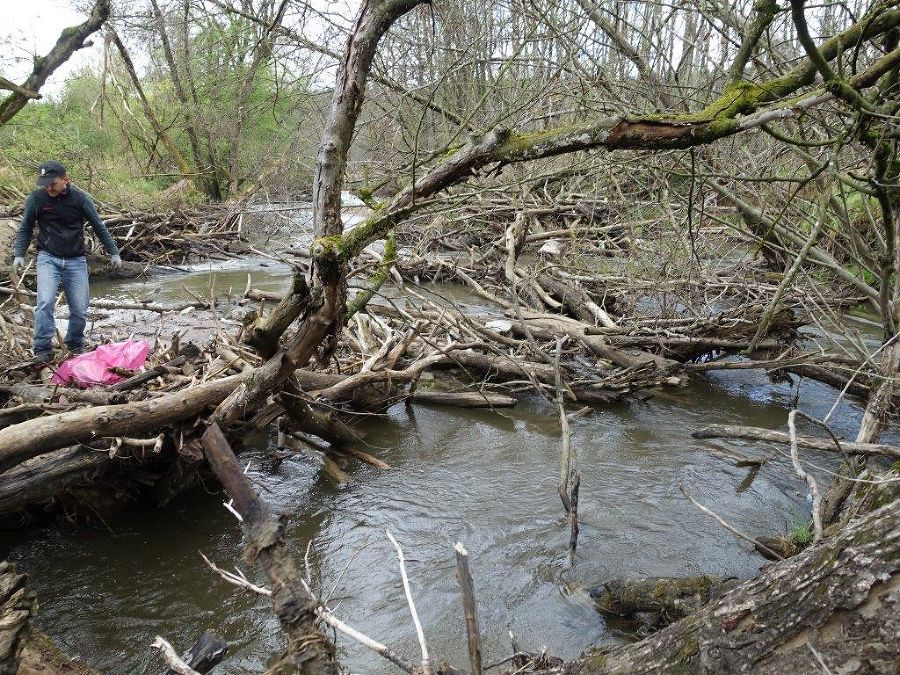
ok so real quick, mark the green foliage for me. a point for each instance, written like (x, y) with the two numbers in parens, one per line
(801, 534)
(110, 145)
(862, 273)
(860, 206)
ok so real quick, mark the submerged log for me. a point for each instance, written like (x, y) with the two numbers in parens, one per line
(673, 598)
(309, 651)
(464, 399)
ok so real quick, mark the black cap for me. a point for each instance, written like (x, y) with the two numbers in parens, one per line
(48, 171)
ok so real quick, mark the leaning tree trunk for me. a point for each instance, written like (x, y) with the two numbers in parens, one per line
(324, 313)
(838, 601)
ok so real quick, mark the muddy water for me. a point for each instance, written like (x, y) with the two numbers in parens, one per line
(485, 478)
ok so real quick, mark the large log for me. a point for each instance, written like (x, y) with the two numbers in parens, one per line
(34, 483)
(839, 599)
(37, 436)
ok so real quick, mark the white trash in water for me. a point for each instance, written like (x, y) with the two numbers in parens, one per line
(499, 325)
(552, 247)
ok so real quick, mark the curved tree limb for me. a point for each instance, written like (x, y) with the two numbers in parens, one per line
(70, 40)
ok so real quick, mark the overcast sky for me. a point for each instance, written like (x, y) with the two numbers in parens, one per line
(32, 27)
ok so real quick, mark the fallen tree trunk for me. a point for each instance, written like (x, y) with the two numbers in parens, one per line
(839, 599)
(755, 433)
(34, 483)
(309, 651)
(44, 434)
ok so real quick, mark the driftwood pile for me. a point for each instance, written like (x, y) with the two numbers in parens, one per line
(535, 318)
(549, 323)
(164, 238)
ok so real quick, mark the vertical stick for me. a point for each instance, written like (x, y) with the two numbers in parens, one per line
(565, 460)
(573, 514)
(810, 481)
(467, 590)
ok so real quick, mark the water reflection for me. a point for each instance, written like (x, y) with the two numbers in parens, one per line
(484, 478)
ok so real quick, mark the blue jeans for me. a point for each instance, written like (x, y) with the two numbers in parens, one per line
(73, 273)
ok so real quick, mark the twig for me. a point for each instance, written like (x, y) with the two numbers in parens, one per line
(810, 481)
(729, 527)
(171, 657)
(426, 661)
(239, 579)
(819, 658)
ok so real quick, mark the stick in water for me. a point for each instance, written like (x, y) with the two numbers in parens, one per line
(467, 590)
(573, 513)
(426, 661)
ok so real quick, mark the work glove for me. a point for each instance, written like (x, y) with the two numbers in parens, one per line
(18, 264)
(116, 261)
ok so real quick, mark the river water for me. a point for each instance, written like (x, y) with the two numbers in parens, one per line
(483, 478)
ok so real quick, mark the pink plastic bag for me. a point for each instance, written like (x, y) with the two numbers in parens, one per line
(92, 369)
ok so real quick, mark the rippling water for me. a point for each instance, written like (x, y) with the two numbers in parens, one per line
(484, 478)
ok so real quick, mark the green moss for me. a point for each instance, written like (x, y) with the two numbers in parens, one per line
(689, 649)
(737, 98)
(522, 141)
(329, 247)
(768, 9)
(451, 150)
(595, 662)
(365, 194)
(376, 281)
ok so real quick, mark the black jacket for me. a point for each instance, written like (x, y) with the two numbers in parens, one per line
(60, 223)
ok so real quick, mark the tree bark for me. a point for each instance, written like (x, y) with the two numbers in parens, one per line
(840, 597)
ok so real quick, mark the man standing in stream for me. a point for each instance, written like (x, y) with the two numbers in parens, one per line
(60, 211)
